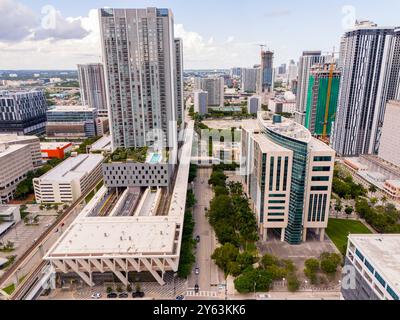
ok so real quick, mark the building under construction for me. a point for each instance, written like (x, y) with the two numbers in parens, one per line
(322, 99)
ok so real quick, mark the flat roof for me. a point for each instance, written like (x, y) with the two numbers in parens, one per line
(71, 109)
(73, 168)
(10, 138)
(54, 145)
(117, 236)
(318, 145)
(287, 127)
(102, 144)
(383, 251)
(6, 150)
(266, 144)
(7, 210)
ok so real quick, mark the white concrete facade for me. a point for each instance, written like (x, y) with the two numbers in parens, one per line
(69, 180)
(389, 149)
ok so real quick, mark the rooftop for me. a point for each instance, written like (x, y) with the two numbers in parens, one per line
(266, 145)
(383, 252)
(73, 168)
(71, 109)
(114, 235)
(54, 145)
(7, 210)
(102, 144)
(287, 127)
(6, 150)
(13, 138)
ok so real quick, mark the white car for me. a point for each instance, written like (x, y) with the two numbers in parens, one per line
(197, 271)
(96, 295)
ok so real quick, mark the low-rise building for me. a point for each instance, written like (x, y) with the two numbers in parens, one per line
(69, 180)
(392, 187)
(55, 150)
(32, 141)
(15, 162)
(285, 103)
(71, 122)
(373, 267)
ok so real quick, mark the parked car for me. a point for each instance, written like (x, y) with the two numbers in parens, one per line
(123, 295)
(181, 297)
(198, 239)
(196, 288)
(138, 294)
(112, 295)
(197, 271)
(96, 295)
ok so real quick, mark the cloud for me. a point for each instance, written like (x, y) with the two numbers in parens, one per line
(16, 22)
(54, 26)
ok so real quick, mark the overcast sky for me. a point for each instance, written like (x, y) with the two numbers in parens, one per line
(38, 34)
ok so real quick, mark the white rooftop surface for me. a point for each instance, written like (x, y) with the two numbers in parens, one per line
(53, 145)
(6, 150)
(116, 236)
(318, 145)
(102, 144)
(7, 210)
(4, 138)
(383, 251)
(266, 145)
(71, 109)
(73, 168)
(287, 127)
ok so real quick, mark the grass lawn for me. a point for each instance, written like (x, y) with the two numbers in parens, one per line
(10, 289)
(339, 229)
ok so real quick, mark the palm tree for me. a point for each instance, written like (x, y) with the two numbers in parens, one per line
(384, 199)
(373, 189)
(338, 207)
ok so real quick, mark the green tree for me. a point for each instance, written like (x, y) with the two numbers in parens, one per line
(293, 283)
(224, 255)
(373, 189)
(330, 262)
(349, 210)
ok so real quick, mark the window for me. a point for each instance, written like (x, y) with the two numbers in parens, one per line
(322, 159)
(277, 201)
(276, 208)
(380, 279)
(320, 179)
(277, 196)
(319, 188)
(369, 266)
(321, 169)
(359, 254)
(392, 293)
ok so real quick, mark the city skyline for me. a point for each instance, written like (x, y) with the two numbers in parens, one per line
(75, 39)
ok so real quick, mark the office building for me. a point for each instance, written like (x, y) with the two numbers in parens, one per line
(215, 89)
(71, 179)
(322, 99)
(23, 112)
(265, 80)
(74, 122)
(307, 60)
(253, 104)
(15, 162)
(180, 107)
(32, 141)
(139, 54)
(370, 59)
(288, 176)
(236, 72)
(389, 149)
(102, 126)
(200, 102)
(250, 79)
(93, 87)
(375, 261)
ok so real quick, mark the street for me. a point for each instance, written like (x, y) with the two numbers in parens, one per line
(210, 276)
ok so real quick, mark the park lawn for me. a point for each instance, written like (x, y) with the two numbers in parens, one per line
(339, 229)
(10, 289)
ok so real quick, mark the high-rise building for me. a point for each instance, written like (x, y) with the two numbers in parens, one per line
(374, 262)
(179, 80)
(93, 87)
(200, 102)
(215, 89)
(322, 98)
(370, 60)
(288, 175)
(307, 60)
(139, 54)
(23, 112)
(236, 72)
(253, 104)
(265, 82)
(249, 79)
(389, 149)
(292, 72)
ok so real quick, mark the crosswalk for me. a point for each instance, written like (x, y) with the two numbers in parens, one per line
(209, 294)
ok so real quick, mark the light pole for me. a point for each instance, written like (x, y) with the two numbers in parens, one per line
(175, 275)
